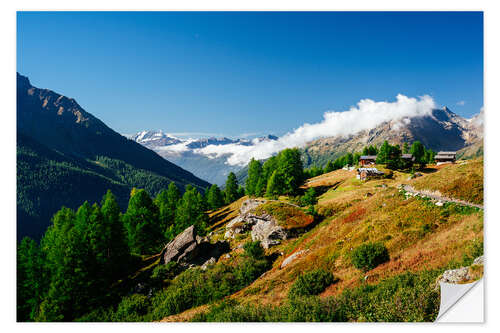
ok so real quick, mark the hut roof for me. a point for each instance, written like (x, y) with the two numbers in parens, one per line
(368, 157)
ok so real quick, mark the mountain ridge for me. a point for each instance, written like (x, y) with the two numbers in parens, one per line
(60, 145)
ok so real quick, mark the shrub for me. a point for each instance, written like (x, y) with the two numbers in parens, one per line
(402, 298)
(309, 198)
(311, 283)
(369, 255)
(132, 308)
(195, 287)
(254, 250)
(164, 272)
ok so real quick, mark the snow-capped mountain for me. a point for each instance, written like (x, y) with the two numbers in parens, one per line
(192, 155)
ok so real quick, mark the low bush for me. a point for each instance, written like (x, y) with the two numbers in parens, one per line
(164, 272)
(132, 308)
(409, 297)
(369, 255)
(309, 198)
(254, 250)
(311, 283)
(195, 287)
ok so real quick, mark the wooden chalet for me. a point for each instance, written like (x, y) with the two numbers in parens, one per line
(367, 160)
(445, 157)
(369, 173)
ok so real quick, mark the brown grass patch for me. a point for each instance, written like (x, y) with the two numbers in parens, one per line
(462, 181)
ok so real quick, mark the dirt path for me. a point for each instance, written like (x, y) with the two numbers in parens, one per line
(432, 195)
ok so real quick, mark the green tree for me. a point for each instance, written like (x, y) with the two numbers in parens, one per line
(291, 170)
(254, 174)
(117, 250)
(190, 211)
(275, 185)
(231, 190)
(65, 245)
(418, 152)
(429, 156)
(329, 167)
(215, 198)
(383, 153)
(31, 279)
(406, 148)
(141, 221)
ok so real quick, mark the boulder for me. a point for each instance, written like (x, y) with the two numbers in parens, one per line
(455, 275)
(188, 249)
(245, 220)
(264, 228)
(478, 261)
(176, 248)
(268, 232)
(210, 261)
(292, 257)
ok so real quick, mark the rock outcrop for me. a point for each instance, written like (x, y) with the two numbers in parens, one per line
(292, 257)
(463, 274)
(188, 249)
(263, 227)
(268, 232)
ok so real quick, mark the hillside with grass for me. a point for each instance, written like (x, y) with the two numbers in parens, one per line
(422, 240)
(327, 248)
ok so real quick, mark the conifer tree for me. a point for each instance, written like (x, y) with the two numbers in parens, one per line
(190, 212)
(231, 190)
(117, 250)
(290, 170)
(141, 222)
(254, 174)
(274, 185)
(215, 199)
(418, 152)
(31, 279)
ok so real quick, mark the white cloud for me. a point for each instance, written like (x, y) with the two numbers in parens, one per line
(478, 119)
(366, 115)
(461, 103)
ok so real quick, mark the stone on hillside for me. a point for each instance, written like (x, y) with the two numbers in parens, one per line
(456, 275)
(210, 261)
(243, 222)
(264, 228)
(439, 204)
(188, 249)
(478, 261)
(268, 232)
(175, 248)
(292, 258)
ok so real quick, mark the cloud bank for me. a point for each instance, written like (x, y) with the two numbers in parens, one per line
(366, 115)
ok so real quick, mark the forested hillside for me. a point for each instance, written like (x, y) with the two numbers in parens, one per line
(66, 156)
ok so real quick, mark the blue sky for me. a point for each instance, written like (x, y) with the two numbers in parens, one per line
(249, 73)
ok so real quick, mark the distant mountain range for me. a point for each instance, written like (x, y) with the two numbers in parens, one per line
(188, 153)
(442, 130)
(65, 156)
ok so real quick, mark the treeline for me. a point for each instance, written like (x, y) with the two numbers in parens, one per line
(282, 174)
(85, 251)
(390, 155)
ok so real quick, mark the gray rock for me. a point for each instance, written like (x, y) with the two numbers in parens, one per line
(210, 261)
(478, 261)
(175, 248)
(188, 249)
(263, 227)
(268, 232)
(243, 222)
(455, 275)
(292, 257)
